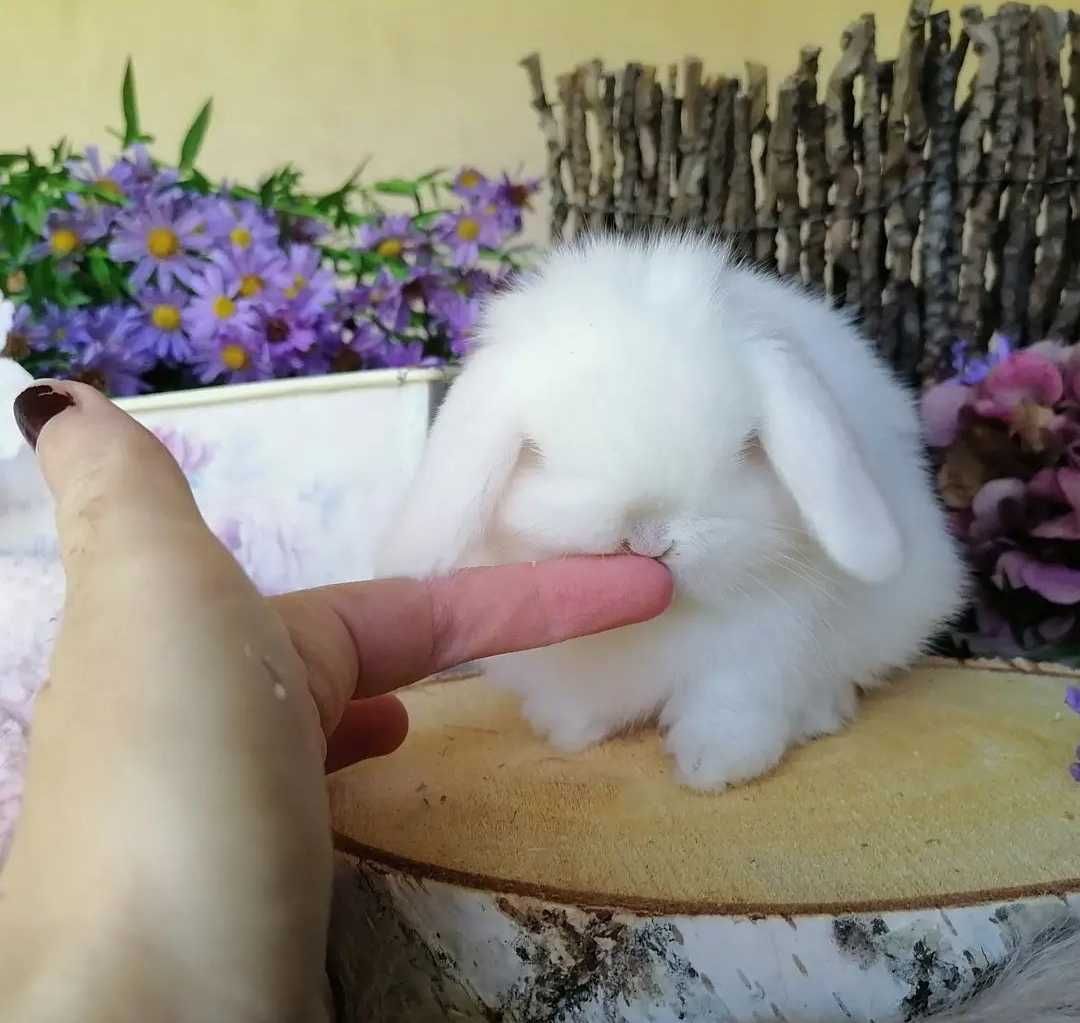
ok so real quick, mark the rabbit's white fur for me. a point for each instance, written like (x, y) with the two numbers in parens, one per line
(653, 395)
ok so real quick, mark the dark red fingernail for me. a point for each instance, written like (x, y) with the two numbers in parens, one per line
(35, 407)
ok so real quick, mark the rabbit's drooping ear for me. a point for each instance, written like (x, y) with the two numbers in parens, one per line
(471, 451)
(815, 454)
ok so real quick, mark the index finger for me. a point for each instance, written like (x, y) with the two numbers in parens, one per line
(362, 639)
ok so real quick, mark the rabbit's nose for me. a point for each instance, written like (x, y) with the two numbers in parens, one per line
(648, 541)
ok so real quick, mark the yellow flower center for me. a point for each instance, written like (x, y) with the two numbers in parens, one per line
(388, 248)
(234, 356)
(223, 307)
(468, 229)
(162, 243)
(298, 285)
(251, 285)
(240, 237)
(165, 317)
(109, 187)
(468, 179)
(64, 241)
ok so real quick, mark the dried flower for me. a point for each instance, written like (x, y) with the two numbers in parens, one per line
(22, 335)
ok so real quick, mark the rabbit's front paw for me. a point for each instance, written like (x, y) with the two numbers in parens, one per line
(568, 728)
(724, 748)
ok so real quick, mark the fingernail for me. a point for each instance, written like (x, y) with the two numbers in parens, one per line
(35, 407)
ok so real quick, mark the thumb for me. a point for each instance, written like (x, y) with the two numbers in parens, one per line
(117, 490)
(177, 734)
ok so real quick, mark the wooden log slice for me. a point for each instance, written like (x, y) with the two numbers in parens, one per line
(873, 875)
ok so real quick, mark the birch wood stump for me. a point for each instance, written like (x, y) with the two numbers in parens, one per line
(482, 876)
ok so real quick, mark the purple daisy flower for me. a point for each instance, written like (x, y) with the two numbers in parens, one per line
(970, 368)
(289, 333)
(160, 238)
(67, 232)
(147, 178)
(216, 304)
(457, 315)
(231, 356)
(471, 184)
(64, 330)
(476, 282)
(316, 361)
(384, 300)
(239, 224)
(160, 329)
(258, 271)
(304, 280)
(390, 237)
(1072, 698)
(466, 231)
(300, 230)
(116, 181)
(511, 199)
(364, 340)
(108, 361)
(403, 355)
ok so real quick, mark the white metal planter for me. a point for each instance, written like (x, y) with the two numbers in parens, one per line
(875, 876)
(295, 476)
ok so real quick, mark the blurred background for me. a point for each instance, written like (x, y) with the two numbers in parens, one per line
(410, 83)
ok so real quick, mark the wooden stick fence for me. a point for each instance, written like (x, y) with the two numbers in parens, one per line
(938, 218)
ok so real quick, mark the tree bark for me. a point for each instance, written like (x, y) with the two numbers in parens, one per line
(943, 66)
(555, 153)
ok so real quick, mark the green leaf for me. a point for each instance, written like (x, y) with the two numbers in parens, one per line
(193, 140)
(398, 267)
(428, 217)
(130, 106)
(266, 191)
(200, 183)
(60, 152)
(100, 269)
(397, 186)
(349, 183)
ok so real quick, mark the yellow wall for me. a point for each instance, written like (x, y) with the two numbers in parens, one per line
(327, 82)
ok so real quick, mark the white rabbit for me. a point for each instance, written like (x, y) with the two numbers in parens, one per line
(651, 395)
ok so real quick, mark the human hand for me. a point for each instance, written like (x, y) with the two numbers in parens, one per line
(173, 860)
